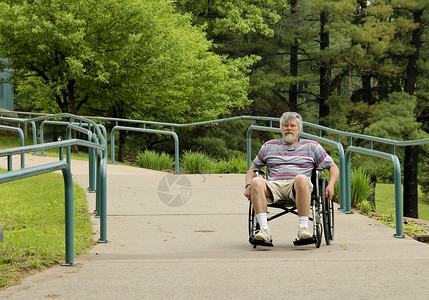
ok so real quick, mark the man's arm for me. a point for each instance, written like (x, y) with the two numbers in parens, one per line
(334, 173)
(249, 176)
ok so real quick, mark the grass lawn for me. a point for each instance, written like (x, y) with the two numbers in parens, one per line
(385, 201)
(32, 219)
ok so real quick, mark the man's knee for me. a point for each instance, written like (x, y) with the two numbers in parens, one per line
(258, 183)
(300, 181)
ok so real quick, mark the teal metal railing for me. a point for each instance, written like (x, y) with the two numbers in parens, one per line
(19, 121)
(97, 142)
(344, 164)
(68, 182)
(21, 141)
(81, 127)
(153, 131)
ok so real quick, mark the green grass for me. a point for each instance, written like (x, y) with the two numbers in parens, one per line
(32, 220)
(385, 201)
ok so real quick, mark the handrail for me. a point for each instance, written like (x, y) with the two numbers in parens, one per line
(172, 133)
(397, 170)
(22, 141)
(345, 202)
(98, 144)
(19, 120)
(68, 182)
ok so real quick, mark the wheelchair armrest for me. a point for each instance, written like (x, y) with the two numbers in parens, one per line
(259, 172)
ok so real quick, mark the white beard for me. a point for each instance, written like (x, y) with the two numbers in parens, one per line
(289, 137)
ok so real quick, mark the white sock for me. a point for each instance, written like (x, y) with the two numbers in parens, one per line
(303, 221)
(262, 220)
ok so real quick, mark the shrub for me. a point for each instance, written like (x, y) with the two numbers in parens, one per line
(234, 165)
(197, 163)
(366, 207)
(155, 161)
(361, 187)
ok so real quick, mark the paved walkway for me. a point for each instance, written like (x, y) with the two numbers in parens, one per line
(185, 237)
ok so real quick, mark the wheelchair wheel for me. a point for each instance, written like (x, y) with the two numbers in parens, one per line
(331, 218)
(328, 214)
(252, 223)
(319, 235)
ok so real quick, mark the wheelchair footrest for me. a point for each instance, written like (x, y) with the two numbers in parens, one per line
(260, 243)
(304, 242)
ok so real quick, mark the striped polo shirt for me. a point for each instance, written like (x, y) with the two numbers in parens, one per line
(284, 162)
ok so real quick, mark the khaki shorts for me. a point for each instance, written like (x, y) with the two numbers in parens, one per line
(283, 189)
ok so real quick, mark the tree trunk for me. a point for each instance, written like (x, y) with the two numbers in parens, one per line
(366, 89)
(293, 69)
(293, 88)
(371, 198)
(121, 151)
(325, 70)
(412, 152)
(410, 182)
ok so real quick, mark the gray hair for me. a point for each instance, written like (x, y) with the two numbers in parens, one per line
(291, 116)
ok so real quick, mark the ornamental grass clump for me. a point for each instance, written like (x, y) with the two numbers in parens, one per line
(155, 161)
(197, 163)
(232, 165)
(361, 186)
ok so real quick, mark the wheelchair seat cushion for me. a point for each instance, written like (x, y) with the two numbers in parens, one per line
(282, 203)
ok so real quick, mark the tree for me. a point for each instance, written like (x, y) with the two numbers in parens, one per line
(417, 9)
(138, 59)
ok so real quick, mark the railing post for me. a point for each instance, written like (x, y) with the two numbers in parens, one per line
(398, 197)
(249, 146)
(102, 197)
(68, 183)
(348, 200)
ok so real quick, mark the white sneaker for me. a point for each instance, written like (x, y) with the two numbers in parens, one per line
(304, 232)
(264, 235)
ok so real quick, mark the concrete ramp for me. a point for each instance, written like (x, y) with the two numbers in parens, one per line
(185, 237)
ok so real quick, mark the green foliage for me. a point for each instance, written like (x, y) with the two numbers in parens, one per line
(360, 185)
(389, 219)
(32, 219)
(197, 163)
(395, 118)
(135, 59)
(366, 207)
(424, 176)
(385, 200)
(248, 16)
(233, 165)
(193, 163)
(155, 161)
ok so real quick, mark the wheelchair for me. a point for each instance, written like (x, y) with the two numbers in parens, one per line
(322, 213)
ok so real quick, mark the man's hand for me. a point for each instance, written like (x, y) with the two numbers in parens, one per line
(329, 192)
(334, 173)
(247, 192)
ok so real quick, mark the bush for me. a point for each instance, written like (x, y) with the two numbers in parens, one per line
(197, 163)
(366, 207)
(361, 187)
(234, 165)
(155, 161)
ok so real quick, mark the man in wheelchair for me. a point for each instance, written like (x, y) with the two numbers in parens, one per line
(289, 164)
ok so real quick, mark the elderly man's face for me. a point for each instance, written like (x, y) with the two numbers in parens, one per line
(290, 131)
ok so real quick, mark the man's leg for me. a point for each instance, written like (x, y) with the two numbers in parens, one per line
(259, 194)
(303, 202)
